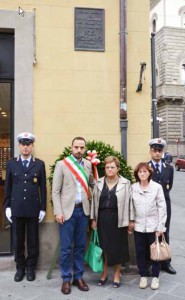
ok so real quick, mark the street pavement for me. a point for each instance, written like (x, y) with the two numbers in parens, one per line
(172, 287)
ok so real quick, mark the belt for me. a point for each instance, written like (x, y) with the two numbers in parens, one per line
(78, 204)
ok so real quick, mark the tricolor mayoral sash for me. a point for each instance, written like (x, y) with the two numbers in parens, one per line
(77, 171)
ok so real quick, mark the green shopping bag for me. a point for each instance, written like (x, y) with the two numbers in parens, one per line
(93, 255)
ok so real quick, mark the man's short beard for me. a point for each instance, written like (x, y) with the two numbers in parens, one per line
(78, 155)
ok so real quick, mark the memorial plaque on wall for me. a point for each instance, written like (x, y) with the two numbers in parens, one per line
(89, 29)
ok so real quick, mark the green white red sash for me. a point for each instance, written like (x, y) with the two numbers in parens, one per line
(77, 171)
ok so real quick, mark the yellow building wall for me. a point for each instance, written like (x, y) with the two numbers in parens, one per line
(139, 104)
(77, 93)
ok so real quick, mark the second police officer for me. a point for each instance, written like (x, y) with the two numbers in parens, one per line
(163, 174)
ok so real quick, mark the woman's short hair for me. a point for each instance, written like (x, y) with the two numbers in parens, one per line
(110, 159)
(143, 165)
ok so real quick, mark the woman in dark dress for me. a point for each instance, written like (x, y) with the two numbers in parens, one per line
(110, 215)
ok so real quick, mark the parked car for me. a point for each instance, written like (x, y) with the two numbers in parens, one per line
(180, 162)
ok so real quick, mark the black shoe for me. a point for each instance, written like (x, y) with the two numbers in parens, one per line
(102, 281)
(19, 275)
(168, 268)
(30, 275)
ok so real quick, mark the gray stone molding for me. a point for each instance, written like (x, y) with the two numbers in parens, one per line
(170, 54)
(170, 91)
(153, 3)
(181, 10)
(23, 77)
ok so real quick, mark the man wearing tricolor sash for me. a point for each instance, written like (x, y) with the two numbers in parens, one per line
(71, 181)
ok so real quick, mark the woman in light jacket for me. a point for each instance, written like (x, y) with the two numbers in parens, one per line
(110, 215)
(148, 209)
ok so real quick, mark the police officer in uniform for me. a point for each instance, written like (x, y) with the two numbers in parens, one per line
(25, 204)
(163, 174)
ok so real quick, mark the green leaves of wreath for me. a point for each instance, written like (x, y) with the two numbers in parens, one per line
(103, 151)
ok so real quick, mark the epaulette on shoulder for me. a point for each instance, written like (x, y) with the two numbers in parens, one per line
(36, 159)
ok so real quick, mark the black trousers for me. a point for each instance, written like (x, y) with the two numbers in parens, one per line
(142, 243)
(167, 225)
(25, 228)
(164, 263)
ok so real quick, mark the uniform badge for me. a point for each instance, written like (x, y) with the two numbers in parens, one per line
(35, 180)
(167, 187)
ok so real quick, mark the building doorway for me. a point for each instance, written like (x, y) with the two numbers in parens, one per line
(6, 128)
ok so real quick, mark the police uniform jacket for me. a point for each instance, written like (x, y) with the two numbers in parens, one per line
(25, 190)
(165, 178)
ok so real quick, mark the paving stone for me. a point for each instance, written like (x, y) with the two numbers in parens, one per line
(166, 285)
(55, 296)
(4, 275)
(134, 291)
(7, 296)
(46, 285)
(179, 290)
(162, 296)
(117, 296)
(21, 289)
(178, 278)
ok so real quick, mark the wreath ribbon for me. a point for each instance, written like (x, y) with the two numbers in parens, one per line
(92, 157)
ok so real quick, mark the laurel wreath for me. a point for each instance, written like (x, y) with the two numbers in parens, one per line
(103, 151)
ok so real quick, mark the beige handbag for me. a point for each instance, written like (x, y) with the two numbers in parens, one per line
(160, 250)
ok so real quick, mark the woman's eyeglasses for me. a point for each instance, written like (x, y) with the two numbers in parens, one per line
(110, 167)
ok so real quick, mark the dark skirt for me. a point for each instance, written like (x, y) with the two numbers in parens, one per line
(113, 240)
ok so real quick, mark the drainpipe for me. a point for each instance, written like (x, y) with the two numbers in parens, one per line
(123, 87)
(123, 79)
(154, 97)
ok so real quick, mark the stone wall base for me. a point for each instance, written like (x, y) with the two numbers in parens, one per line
(49, 238)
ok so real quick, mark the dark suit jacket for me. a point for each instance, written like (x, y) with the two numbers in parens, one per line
(25, 191)
(165, 178)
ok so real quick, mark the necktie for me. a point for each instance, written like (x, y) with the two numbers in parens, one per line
(25, 164)
(157, 168)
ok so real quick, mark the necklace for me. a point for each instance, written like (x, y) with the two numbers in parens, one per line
(111, 181)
